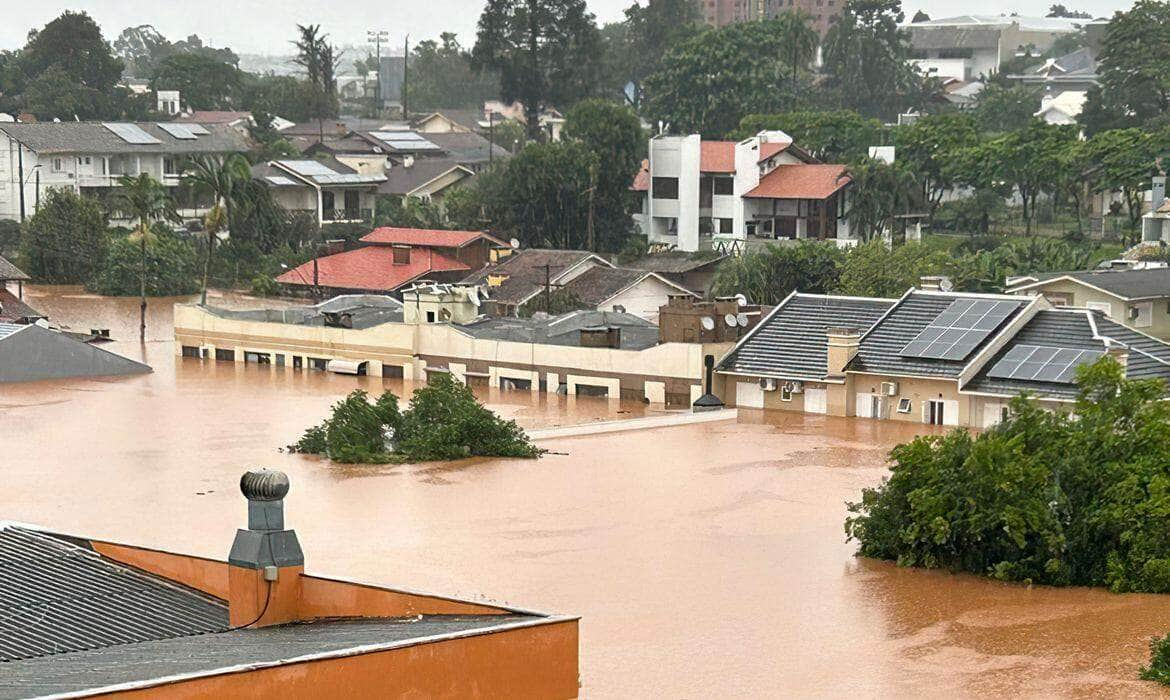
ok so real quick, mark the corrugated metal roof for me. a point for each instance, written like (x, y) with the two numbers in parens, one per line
(792, 343)
(58, 597)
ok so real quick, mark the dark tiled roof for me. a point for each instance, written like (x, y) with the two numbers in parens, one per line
(596, 285)
(792, 342)
(879, 352)
(676, 262)
(58, 597)
(1072, 328)
(636, 333)
(526, 272)
(13, 310)
(267, 646)
(403, 180)
(93, 137)
(467, 148)
(8, 271)
(1127, 284)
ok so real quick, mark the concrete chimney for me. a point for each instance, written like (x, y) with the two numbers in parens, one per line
(1118, 352)
(843, 343)
(266, 562)
(931, 283)
(1157, 192)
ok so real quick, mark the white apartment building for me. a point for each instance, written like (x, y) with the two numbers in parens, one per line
(701, 194)
(968, 46)
(90, 157)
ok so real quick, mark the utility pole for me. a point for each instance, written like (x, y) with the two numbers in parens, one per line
(589, 219)
(547, 290)
(491, 137)
(377, 36)
(405, 74)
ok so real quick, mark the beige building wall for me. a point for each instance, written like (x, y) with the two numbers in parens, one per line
(1154, 316)
(642, 299)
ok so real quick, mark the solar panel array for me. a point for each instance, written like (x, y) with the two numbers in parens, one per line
(959, 329)
(131, 133)
(179, 131)
(1042, 364)
(197, 129)
(310, 168)
(280, 180)
(404, 140)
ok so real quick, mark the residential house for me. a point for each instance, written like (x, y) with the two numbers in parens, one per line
(90, 157)
(439, 330)
(551, 121)
(970, 46)
(1062, 108)
(87, 617)
(521, 280)
(1135, 298)
(450, 121)
(329, 190)
(428, 179)
(1075, 71)
(12, 306)
(929, 357)
(698, 195)
(394, 258)
(694, 271)
(29, 351)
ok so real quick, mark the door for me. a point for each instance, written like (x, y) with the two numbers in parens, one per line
(749, 395)
(870, 406)
(352, 204)
(816, 401)
(328, 205)
(939, 412)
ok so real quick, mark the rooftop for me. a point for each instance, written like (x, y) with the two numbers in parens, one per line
(8, 271)
(98, 138)
(323, 172)
(717, 156)
(403, 180)
(31, 352)
(801, 181)
(370, 269)
(363, 311)
(636, 332)
(434, 238)
(676, 261)
(14, 310)
(526, 272)
(1149, 283)
(598, 284)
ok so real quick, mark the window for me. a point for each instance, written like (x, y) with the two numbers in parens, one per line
(726, 225)
(170, 166)
(724, 185)
(84, 160)
(430, 317)
(58, 165)
(190, 351)
(665, 188)
(222, 355)
(318, 363)
(327, 201)
(1142, 314)
(956, 53)
(786, 392)
(904, 405)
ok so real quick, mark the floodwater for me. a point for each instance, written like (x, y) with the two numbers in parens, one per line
(705, 561)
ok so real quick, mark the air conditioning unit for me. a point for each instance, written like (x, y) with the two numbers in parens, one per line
(768, 384)
(795, 387)
(889, 388)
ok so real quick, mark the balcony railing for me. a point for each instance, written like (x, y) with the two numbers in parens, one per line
(340, 216)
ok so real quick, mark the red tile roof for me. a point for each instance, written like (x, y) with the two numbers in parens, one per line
(371, 269)
(801, 181)
(642, 179)
(434, 238)
(767, 150)
(717, 156)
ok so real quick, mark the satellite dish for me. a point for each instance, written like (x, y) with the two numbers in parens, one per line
(729, 319)
(708, 323)
(742, 320)
(741, 299)
(515, 243)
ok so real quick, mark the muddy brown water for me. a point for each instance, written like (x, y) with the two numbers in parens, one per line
(705, 560)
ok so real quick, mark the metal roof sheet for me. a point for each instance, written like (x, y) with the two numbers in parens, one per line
(58, 597)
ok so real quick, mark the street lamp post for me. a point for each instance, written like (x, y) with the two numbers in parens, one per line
(376, 37)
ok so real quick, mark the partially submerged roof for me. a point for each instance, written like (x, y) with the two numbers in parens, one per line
(636, 333)
(792, 341)
(434, 238)
(30, 353)
(100, 138)
(14, 310)
(58, 597)
(1131, 285)
(526, 272)
(801, 181)
(370, 269)
(881, 349)
(362, 311)
(8, 271)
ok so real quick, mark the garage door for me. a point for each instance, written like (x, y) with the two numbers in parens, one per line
(816, 401)
(749, 395)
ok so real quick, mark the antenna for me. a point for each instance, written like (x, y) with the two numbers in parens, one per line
(729, 319)
(708, 323)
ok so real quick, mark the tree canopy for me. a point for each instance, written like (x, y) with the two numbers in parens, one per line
(1134, 69)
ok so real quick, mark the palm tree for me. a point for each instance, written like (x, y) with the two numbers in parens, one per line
(801, 39)
(145, 199)
(219, 177)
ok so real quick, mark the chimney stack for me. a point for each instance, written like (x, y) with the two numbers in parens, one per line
(931, 283)
(1118, 352)
(843, 343)
(266, 562)
(1157, 192)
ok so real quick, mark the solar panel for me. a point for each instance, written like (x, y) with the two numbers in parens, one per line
(959, 329)
(179, 131)
(280, 180)
(1042, 364)
(197, 129)
(131, 133)
(404, 140)
(310, 168)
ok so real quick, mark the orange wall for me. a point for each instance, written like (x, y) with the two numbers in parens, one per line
(531, 662)
(207, 575)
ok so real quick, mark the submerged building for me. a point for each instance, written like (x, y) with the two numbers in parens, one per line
(84, 617)
(31, 352)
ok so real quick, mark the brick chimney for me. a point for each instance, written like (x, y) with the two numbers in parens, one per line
(843, 344)
(266, 563)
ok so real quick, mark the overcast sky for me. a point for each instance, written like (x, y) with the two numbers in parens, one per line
(265, 26)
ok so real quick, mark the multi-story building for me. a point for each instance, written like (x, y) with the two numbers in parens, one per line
(822, 13)
(969, 46)
(699, 194)
(1138, 298)
(90, 157)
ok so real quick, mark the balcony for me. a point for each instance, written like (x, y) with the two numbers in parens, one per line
(340, 216)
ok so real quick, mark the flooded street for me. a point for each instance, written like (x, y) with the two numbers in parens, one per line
(705, 561)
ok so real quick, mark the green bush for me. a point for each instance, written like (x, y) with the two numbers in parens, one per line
(444, 421)
(66, 241)
(265, 286)
(1159, 668)
(1045, 497)
(172, 267)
